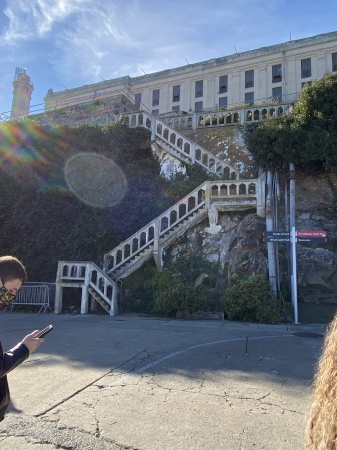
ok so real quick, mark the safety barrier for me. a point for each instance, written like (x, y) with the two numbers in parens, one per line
(32, 296)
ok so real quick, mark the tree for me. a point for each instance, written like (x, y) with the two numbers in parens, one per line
(307, 136)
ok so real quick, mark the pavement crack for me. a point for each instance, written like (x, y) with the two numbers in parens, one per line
(61, 402)
(36, 431)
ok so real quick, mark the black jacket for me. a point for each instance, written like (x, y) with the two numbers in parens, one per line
(8, 361)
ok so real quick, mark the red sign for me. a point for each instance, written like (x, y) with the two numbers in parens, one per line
(311, 233)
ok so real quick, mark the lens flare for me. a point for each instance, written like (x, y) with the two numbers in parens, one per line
(95, 179)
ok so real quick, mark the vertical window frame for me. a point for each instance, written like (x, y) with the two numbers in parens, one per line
(155, 97)
(334, 62)
(198, 106)
(138, 95)
(277, 93)
(276, 73)
(249, 78)
(249, 98)
(199, 89)
(176, 93)
(306, 70)
(223, 84)
(223, 100)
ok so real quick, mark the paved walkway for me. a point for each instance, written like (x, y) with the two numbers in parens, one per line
(158, 384)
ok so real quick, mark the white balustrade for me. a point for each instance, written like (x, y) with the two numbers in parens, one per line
(145, 238)
(85, 274)
(181, 147)
(157, 228)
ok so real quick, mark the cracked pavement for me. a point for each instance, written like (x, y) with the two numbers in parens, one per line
(146, 383)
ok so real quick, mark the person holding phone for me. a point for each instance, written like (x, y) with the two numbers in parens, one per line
(12, 275)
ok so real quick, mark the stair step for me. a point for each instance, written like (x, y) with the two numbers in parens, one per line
(103, 305)
(99, 300)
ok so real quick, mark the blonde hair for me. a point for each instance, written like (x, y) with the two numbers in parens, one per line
(321, 432)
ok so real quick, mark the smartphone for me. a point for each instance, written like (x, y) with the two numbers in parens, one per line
(45, 331)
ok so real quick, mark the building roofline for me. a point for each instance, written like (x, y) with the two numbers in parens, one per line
(292, 44)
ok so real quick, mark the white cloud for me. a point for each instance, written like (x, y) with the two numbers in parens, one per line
(35, 18)
(95, 39)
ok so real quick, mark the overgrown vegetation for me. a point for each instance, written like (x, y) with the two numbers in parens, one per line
(43, 222)
(306, 137)
(171, 295)
(252, 300)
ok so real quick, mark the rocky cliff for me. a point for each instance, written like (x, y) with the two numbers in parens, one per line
(241, 251)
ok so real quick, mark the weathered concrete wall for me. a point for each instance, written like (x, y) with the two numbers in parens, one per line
(100, 111)
(226, 143)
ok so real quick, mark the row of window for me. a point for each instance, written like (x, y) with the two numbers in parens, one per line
(223, 86)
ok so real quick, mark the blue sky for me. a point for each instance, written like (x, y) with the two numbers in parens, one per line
(69, 43)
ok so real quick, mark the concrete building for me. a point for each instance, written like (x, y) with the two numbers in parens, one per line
(269, 74)
(22, 93)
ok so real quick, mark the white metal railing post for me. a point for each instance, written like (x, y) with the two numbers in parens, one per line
(85, 293)
(294, 274)
(153, 128)
(208, 193)
(260, 191)
(194, 121)
(157, 250)
(192, 154)
(58, 290)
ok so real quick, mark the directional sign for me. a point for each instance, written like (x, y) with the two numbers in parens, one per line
(315, 237)
(277, 239)
(277, 233)
(276, 236)
(311, 233)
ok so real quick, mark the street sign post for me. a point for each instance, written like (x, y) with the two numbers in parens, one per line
(314, 237)
(309, 237)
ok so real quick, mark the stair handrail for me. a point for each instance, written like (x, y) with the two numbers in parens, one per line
(104, 286)
(195, 152)
(153, 231)
(87, 273)
(186, 149)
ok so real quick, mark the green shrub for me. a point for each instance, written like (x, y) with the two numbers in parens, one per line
(171, 295)
(252, 300)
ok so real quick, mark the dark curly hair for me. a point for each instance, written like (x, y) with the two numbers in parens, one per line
(11, 268)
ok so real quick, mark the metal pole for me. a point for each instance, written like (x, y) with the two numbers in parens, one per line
(270, 227)
(293, 239)
(294, 274)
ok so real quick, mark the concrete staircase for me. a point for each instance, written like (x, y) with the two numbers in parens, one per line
(229, 193)
(169, 140)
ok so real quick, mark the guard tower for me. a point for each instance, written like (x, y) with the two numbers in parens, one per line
(22, 93)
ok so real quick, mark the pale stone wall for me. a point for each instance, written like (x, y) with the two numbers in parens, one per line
(100, 111)
(289, 54)
(226, 143)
